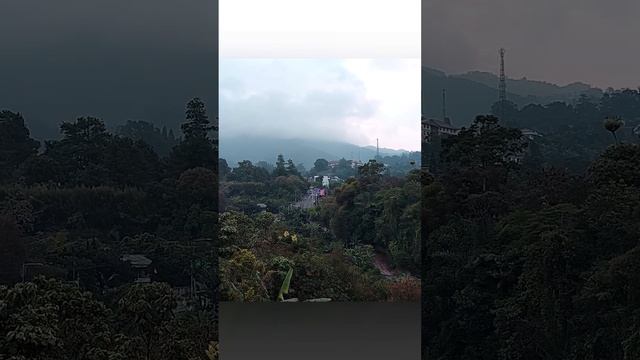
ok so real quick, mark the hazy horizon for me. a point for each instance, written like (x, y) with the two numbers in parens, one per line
(563, 42)
(373, 145)
(509, 77)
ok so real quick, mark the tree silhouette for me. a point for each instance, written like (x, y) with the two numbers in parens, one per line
(612, 124)
(197, 122)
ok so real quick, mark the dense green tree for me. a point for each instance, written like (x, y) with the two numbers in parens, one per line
(196, 149)
(291, 168)
(247, 172)
(371, 172)
(147, 311)
(281, 167)
(88, 155)
(15, 143)
(197, 123)
(73, 211)
(12, 249)
(612, 125)
(524, 269)
(618, 164)
(320, 165)
(485, 151)
(48, 319)
(158, 139)
(223, 168)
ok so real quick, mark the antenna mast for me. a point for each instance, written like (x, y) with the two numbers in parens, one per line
(502, 87)
(377, 149)
(444, 105)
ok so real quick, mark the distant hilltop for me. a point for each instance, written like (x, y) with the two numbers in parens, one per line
(534, 88)
(303, 151)
(474, 92)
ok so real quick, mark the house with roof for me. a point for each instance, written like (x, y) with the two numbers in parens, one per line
(141, 265)
(431, 127)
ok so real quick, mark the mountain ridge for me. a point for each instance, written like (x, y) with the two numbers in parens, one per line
(305, 151)
(474, 92)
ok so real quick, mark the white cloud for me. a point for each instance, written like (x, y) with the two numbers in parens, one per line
(354, 100)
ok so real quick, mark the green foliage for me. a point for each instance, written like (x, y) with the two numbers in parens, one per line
(48, 319)
(320, 165)
(146, 311)
(619, 163)
(196, 149)
(15, 144)
(88, 155)
(73, 211)
(612, 125)
(197, 122)
(484, 152)
(378, 211)
(284, 289)
(537, 264)
(242, 277)
(161, 141)
(258, 250)
(280, 169)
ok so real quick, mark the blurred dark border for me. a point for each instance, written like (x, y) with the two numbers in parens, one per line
(319, 331)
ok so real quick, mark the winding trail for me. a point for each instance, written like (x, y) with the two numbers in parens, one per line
(383, 264)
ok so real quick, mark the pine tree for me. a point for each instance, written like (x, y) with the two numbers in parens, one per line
(197, 122)
(280, 169)
(291, 168)
(196, 149)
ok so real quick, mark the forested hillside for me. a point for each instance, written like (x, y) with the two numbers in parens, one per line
(279, 240)
(474, 93)
(529, 260)
(107, 248)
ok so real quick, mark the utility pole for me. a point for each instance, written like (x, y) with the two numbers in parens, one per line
(502, 87)
(444, 105)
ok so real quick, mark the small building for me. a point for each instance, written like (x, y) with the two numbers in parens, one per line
(325, 181)
(140, 264)
(530, 134)
(431, 127)
(350, 163)
(263, 207)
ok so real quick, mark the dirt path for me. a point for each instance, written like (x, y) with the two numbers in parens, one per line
(383, 264)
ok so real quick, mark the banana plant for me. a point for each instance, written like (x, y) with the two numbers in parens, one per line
(284, 289)
(212, 351)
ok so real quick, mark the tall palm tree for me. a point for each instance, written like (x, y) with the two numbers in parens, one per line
(612, 124)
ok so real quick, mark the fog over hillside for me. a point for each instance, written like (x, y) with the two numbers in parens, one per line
(305, 151)
(354, 101)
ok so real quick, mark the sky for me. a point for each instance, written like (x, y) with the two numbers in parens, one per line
(559, 41)
(320, 28)
(350, 100)
(331, 69)
(117, 60)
